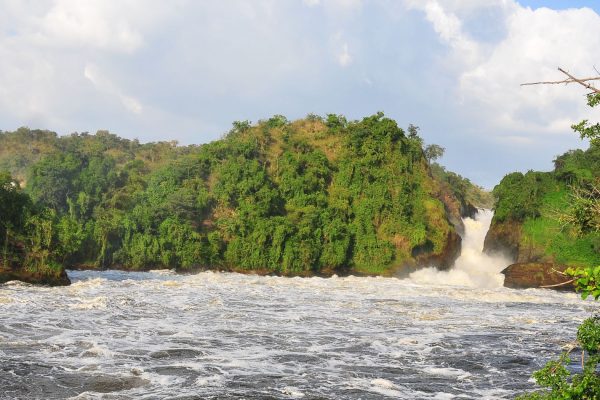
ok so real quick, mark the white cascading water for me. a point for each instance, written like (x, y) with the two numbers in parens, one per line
(473, 268)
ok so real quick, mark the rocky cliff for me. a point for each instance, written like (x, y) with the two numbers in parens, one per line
(503, 238)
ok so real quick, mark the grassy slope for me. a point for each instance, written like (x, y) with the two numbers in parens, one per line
(559, 243)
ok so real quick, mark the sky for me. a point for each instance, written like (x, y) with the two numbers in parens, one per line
(185, 70)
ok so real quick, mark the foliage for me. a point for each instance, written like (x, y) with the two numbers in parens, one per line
(433, 152)
(28, 236)
(557, 376)
(550, 236)
(562, 384)
(584, 128)
(14, 205)
(583, 211)
(520, 195)
(557, 211)
(587, 281)
(465, 191)
(318, 195)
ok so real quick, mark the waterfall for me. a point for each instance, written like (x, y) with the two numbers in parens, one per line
(473, 268)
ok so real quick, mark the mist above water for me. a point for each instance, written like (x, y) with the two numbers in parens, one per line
(473, 268)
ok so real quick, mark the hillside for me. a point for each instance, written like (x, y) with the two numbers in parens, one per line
(533, 221)
(313, 196)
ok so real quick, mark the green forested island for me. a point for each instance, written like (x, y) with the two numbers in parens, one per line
(313, 196)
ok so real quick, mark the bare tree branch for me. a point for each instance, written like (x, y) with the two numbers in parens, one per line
(571, 79)
(581, 82)
(566, 81)
(558, 284)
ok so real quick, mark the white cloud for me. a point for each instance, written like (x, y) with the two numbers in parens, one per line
(452, 67)
(89, 23)
(538, 41)
(311, 3)
(463, 7)
(45, 46)
(516, 140)
(347, 4)
(340, 4)
(344, 57)
(449, 28)
(535, 43)
(338, 9)
(103, 84)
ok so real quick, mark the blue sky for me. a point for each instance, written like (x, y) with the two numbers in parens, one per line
(562, 4)
(185, 70)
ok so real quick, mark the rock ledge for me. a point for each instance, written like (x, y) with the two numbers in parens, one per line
(535, 275)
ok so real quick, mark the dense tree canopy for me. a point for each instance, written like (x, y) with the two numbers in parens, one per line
(312, 196)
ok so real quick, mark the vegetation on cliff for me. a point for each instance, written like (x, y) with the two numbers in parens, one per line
(314, 196)
(543, 217)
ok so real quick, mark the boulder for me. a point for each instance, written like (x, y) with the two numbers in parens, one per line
(49, 277)
(535, 275)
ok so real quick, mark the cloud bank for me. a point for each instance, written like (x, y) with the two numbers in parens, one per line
(185, 70)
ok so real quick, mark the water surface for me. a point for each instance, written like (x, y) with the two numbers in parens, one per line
(120, 335)
(438, 335)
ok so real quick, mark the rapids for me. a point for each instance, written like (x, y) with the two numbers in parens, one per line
(127, 335)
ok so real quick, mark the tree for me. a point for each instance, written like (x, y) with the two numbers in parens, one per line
(433, 152)
(13, 206)
(583, 212)
(413, 131)
(555, 376)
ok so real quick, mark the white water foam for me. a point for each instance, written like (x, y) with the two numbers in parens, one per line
(473, 268)
(114, 334)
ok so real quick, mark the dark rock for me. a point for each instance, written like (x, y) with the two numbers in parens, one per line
(503, 238)
(453, 208)
(535, 275)
(443, 260)
(49, 277)
(468, 210)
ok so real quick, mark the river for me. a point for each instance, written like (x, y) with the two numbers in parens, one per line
(435, 335)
